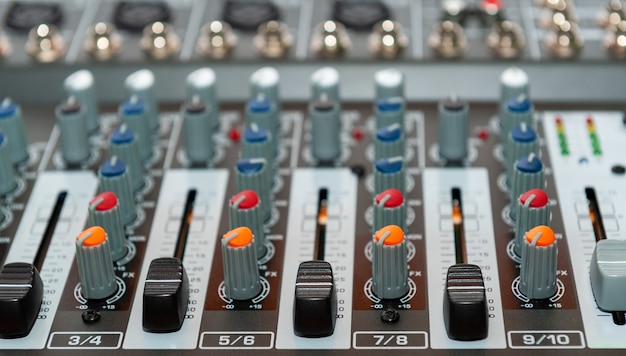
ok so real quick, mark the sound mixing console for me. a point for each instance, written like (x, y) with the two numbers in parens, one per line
(312, 177)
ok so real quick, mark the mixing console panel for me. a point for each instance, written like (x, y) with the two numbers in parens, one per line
(295, 177)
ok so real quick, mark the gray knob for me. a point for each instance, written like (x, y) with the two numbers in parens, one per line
(241, 273)
(113, 177)
(104, 212)
(389, 173)
(133, 113)
(517, 110)
(74, 139)
(124, 145)
(326, 81)
(533, 209)
(202, 82)
(453, 129)
(262, 111)
(521, 141)
(7, 175)
(389, 263)
(389, 142)
(266, 81)
(325, 129)
(245, 210)
(389, 83)
(389, 111)
(253, 174)
(258, 142)
(141, 84)
(95, 266)
(389, 209)
(538, 266)
(80, 85)
(528, 174)
(608, 274)
(12, 125)
(197, 131)
(513, 83)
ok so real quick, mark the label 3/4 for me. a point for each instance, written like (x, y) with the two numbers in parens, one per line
(85, 340)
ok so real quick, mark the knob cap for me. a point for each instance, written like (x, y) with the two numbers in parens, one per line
(389, 142)
(465, 300)
(80, 85)
(12, 125)
(70, 116)
(241, 273)
(389, 173)
(315, 302)
(114, 178)
(197, 131)
(538, 267)
(253, 174)
(258, 142)
(389, 263)
(389, 111)
(533, 209)
(389, 83)
(202, 83)
(453, 129)
(21, 293)
(141, 84)
(521, 141)
(266, 81)
(326, 81)
(326, 129)
(104, 212)
(389, 209)
(95, 266)
(528, 174)
(517, 110)
(124, 145)
(7, 175)
(133, 113)
(513, 83)
(165, 295)
(608, 274)
(245, 210)
(262, 111)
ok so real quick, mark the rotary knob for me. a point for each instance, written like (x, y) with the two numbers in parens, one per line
(389, 173)
(241, 273)
(258, 142)
(266, 81)
(21, 293)
(262, 111)
(528, 174)
(202, 83)
(389, 142)
(521, 141)
(113, 177)
(133, 113)
(513, 83)
(326, 81)
(70, 117)
(104, 212)
(253, 174)
(124, 145)
(325, 129)
(7, 175)
(80, 85)
(245, 210)
(389, 83)
(453, 129)
(197, 131)
(141, 84)
(390, 274)
(95, 266)
(538, 266)
(12, 125)
(533, 209)
(389, 111)
(518, 110)
(389, 209)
